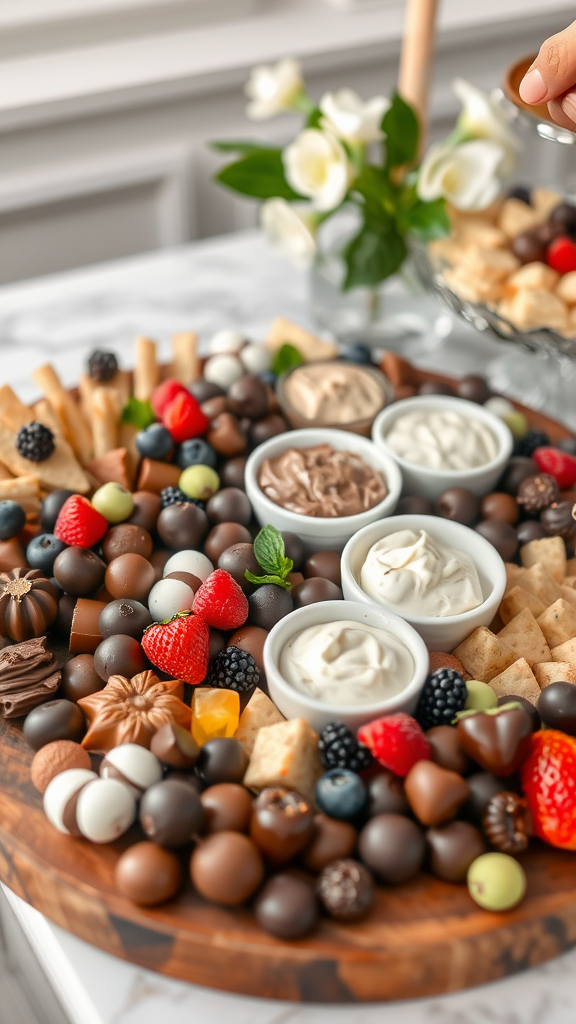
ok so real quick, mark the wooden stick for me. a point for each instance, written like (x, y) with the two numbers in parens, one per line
(416, 58)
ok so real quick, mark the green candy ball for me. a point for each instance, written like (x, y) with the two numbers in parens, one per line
(199, 482)
(113, 502)
(517, 423)
(479, 696)
(496, 881)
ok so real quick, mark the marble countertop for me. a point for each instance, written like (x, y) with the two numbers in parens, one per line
(226, 282)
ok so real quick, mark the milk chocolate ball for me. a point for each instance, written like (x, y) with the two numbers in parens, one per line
(119, 655)
(269, 427)
(528, 248)
(458, 504)
(313, 590)
(130, 576)
(225, 535)
(55, 720)
(499, 505)
(325, 564)
(268, 604)
(226, 435)
(222, 760)
(501, 535)
(446, 749)
(80, 678)
(124, 616)
(147, 508)
(251, 639)
(227, 808)
(227, 868)
(175, 747)
(147, 874)
(286, 907)
(236, 560)
(282, 824)
(232, 472)
(182, 526)
(393, 847)
(125, 539)
(331, 840)
(158, 562)
(79, 571)
(229, 505)
(248, 396)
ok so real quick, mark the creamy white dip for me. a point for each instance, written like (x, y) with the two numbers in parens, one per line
(442, 439)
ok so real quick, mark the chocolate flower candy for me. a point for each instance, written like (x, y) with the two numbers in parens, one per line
(498, 739)
(28, 604)
(132, 711)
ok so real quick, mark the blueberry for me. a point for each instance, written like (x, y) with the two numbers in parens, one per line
(341, 794)
(155, 442)
(12, 519)
(195, 452)
(42, 550)
(356, 353)
(268, 378)
(51, 507)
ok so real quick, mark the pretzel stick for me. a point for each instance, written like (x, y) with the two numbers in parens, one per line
(105, 419)
(76, 429)
(186, 365)
(44, 413)
(146, 369)
(86, 388)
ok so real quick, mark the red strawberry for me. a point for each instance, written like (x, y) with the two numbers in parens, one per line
(558, 464)
(221, 601)
(549, 782)
(396, 741)
(79, 524)
(164, 394)
(179, 647)
(561, 255)
(184, 418)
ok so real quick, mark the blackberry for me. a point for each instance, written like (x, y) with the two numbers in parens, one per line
(35, 442)
(102, 366)
(233, 669)
(339, 748)
(443, 695)
(532, 440)
(174, 496)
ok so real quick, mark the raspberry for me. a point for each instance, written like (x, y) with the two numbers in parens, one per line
(339, 748)
(549, 783)
(233, 669)
(102, 366)
(561, 255)
(396, 741)
(179, 647)
(35, 442)
(221, 601)
(184, 418)
(560, 465)
(164, 394)
(444, 694)
(79, 524)
(532, 440)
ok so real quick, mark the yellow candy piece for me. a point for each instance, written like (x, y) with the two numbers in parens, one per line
(215, 713)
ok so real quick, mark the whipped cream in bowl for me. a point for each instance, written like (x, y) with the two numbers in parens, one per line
(346, 662)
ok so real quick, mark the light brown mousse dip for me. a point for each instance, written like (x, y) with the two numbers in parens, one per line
(334, 393)
(321, 482)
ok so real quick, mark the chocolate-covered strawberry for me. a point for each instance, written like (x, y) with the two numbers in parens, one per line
(497, 739)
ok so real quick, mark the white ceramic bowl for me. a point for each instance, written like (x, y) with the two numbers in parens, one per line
(294, 704)
(440, 633)
(321, 533)
(432, 482)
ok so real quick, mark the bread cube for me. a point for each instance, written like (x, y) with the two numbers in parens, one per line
(517, 680)
(549, 552)
(565, 652)
(523, 632)
(484, 655)
(285, 754)
(490, 264)
(472, 288)
(259, 712)
(533, 275)
(531, 309)
(516, 600)
(514, 574)
(566, 288)
(539, 582)
(517, 217)
(554, 672)
(558, 623)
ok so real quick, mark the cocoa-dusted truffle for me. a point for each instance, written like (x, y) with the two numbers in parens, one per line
(54, 758)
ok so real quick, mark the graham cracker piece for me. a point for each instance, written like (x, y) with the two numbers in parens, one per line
(558, 623)
(60, 470)
(516, 600)
(310, 347)
(554, 672)
(539, 582)
(285, 754)
(523, 632)
(549, 552)
(518, 680)
(484, 655)
(514, 574)
(259, 712)
(565, 652)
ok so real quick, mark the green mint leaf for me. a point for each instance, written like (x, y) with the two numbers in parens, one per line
(259, 174)
(373, 256)
(402, 129)
(314, 117)
(267, 579)
(241, 146)
(139, 414)
(286, 357)
(270, 553)
(427, 221)
(379, 197)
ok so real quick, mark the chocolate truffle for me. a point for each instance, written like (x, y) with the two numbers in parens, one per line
(282, 824)
(294, 548)
(182, 526)
(216, 644)
(222, 760)
(268, 604)
(435, 794)
(501, 535)
(248, 396)
(174, 746)
(313, 590)
(119, 655)
(127, 539)
(226, 868)
(251, 639)
(235, 560)
(202, 390)
(474, 389)
(226, 435)
(54, 758)
(269, 427)
(148, 875)
(79, 571)
(519, 468)
(414, 505)
(147, 508)
(224, 536)
(227, 807)
(499, 505)
(346, 890)
(213, 407)
(51, 506)
(557, 707)
(325, 564)
(446, 749)
(55, 720)
(331, 840)
(124, 616)
(130, 576)
(286, 907)
(171, 813)
(158, 562)
(80, 678)
(452, 848)
(229, 505)
(530, 530)
(435, 387)
(233, 471)
(528, 248)
(483, 787)
(392, 846)
(458, 504)
(386, 794)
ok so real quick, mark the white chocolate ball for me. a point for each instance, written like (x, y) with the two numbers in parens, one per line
(168, 597)
(223, 370)
(256, 358)
(60, 791)
(499, 406)
(193, 562)
(227, 340)
(105, 810)
(134, 766)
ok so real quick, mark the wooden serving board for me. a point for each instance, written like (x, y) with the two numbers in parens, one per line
(421, 939)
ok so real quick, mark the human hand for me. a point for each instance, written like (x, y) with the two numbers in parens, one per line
(552, 78)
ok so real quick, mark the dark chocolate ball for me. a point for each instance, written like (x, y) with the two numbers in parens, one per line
(222, 760)
(293, 548)
(386, 795)
(281, 824)
(446, 749)
(313, 590)
(435, 387)
(452, 848)
(203, 390)
(268, 604)
(474, 389)
(483, 787)
(499, 505)
(223, 536)
(557, 520)
(331, 840)
(125, 539)
(227, 808)
(236, 560)
(79, 571)
(286, 907)
(226, 868)
(80, 678)
(217, 643)
(392, 846)
(325, 564)
(557, 707)
(182, 526)
(55, 720)
(130, 576)
(158, 561)
(501, 535)
(51, 506)
(66, 606)
(518, 469)
(147, 874)
(230, 505)
(564, 216)
(248, 396)
(414, 505)
(529, 248)
(530, 530)
(346, 890)
(459, 505)
(119, 655)
(567, 444)
(171, 813)
(124, 616)
(175, 747)
(232, 472)
(528, 706)
(547, 232)
(251, 639)
(147, 508)
(269, 427)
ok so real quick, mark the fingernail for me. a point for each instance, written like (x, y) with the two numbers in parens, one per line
(569, 105)
(533, 88)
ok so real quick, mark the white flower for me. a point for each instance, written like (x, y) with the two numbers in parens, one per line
(349, 118)
(467, 175)
(482, 118)
(316, 166)
(272, 88)
(288, 232)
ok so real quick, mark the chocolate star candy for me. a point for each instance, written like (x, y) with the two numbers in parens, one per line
(498, 739)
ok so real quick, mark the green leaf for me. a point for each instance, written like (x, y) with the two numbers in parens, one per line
(267, 579)
(259, 174)
(379, 195)
(240, 146)
(139, 414)
(402, 129)
(314, 118)
(286, 357)
(271, 554)
(373, 256)
(427, 221)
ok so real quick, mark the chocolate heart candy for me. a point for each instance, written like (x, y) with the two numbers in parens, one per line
(434, 793)
(498, 739)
